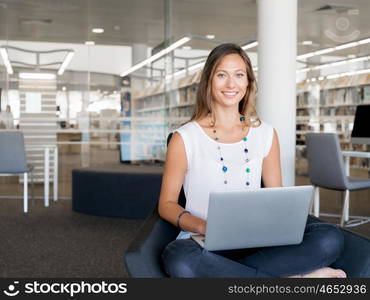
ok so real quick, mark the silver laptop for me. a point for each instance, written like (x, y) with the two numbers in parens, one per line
(256, 218)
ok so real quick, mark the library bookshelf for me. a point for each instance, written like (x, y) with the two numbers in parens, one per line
(328, 105)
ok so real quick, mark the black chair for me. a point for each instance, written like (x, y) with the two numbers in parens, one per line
(143, 256)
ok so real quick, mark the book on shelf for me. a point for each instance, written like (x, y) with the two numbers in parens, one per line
(366, 93)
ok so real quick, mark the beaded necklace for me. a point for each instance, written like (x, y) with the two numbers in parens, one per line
(245, 150)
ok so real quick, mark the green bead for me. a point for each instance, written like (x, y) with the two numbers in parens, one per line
(245, 139)
(248, 170)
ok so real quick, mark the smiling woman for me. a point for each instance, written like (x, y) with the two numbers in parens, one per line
(226, 147)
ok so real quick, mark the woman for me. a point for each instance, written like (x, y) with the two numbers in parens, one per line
(225, 146)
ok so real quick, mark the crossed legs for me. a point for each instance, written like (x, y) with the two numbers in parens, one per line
(322, 244)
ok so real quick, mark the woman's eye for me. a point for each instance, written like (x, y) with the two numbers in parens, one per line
(240, 75)
(221, 75)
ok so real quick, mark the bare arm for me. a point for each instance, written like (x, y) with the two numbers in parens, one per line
(271, 168)
(173, 178)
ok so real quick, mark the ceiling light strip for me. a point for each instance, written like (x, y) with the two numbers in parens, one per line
(156, 56)
(334, 64)
(201, 64)
(66, 62)
(250, 45)
(345, 46)
(39, 76)
(338, 75)
(5, 57)
(364, 41)
(189, 69)
(329, 50)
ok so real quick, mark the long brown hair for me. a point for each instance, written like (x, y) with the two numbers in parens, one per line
(204, 99)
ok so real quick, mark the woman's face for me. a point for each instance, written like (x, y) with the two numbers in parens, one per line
(230, 81)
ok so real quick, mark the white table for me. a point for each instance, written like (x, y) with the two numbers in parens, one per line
(348, 154)
(47, 149)
(46, 173)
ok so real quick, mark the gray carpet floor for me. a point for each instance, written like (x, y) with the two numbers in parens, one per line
(57, 242)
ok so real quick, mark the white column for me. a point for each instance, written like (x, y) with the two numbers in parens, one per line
(139, 53)
(277, 51)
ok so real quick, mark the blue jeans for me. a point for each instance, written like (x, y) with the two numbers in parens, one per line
(322, 244)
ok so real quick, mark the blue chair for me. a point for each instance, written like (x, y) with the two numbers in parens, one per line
(13, 160)
(143, 256)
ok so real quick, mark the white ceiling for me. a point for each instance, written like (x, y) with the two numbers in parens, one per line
(46, 24)
(142, 21)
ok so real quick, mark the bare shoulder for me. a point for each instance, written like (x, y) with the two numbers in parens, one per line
(266, 128)
(176, 148)
(176, 141)
(176, 160)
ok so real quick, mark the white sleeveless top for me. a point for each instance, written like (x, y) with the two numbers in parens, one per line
(204, 171)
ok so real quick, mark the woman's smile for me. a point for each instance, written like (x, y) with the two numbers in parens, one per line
(230, 94)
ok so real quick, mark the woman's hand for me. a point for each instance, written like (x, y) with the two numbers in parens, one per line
(202, 226)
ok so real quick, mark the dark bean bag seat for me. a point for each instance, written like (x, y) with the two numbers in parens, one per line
(119, 191)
